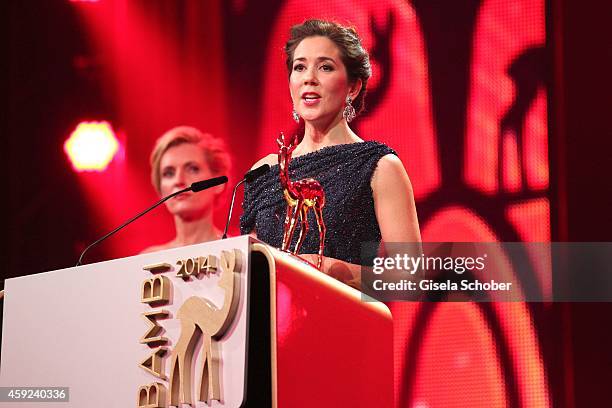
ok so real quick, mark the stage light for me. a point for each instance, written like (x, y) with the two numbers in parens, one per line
(91, 146)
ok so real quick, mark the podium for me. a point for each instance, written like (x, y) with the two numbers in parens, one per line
(228, 323)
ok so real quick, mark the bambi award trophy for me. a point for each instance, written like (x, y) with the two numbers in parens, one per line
(301, 196)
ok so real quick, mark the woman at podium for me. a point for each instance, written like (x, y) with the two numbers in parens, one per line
(181, 156)
(368, 195)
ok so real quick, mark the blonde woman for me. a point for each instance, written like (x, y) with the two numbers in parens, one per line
(181, 156)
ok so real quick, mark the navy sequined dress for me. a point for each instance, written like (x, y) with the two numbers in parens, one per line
(345, 172)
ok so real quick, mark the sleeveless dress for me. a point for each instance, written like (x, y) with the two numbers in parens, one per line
(345, 172)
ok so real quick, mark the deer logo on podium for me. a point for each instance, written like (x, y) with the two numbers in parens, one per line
(199, 316)
(301, 196)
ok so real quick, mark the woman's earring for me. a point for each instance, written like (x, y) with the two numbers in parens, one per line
(349, 111)
(295, 115)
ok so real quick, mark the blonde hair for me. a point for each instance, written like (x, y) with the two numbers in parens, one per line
(215, 153)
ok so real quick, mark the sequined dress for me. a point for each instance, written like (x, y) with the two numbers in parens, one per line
(345, 172)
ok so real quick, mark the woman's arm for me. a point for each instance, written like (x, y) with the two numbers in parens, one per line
(394, 202)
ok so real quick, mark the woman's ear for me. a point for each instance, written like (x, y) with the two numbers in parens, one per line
(355, 89)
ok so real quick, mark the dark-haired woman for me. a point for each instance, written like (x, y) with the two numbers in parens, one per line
(368, 193)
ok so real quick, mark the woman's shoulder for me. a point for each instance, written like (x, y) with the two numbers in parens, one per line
(390, 161)
(377, 157)
(389, 171)
(366, 148)
(383, 155)
(382, 147)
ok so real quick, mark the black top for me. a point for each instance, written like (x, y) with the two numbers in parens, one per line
(345, 172)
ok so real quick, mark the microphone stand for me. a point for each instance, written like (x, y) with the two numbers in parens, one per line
(229, 214)
(250, 176)
(163, 200)
(195, 187)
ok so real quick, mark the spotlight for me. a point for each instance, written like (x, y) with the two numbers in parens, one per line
(91, 146)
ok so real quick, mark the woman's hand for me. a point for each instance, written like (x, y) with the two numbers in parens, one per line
(345, 272)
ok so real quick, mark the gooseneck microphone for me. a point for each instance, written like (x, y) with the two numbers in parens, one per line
(195, 187)
(248, 177)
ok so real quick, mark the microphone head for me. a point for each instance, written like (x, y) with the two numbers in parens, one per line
(257, 172)
(204, 184)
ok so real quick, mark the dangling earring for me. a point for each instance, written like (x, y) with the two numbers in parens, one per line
(295, 115)
(349, 111)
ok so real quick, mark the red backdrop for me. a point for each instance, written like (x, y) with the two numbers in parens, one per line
(458, 91)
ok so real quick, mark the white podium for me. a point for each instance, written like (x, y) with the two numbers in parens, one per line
(228, 323)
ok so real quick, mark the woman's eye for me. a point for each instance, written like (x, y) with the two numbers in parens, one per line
(327, 67)
(193, 169)
(298, 67)
(168, 173)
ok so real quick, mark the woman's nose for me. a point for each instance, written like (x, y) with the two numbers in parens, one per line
(179, 178)
(310, 76)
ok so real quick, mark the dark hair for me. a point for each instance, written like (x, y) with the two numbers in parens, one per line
(354, 56)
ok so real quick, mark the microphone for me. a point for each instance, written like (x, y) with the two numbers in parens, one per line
(195, 187)
(256, 173)
(205, 184)
(250, 176)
